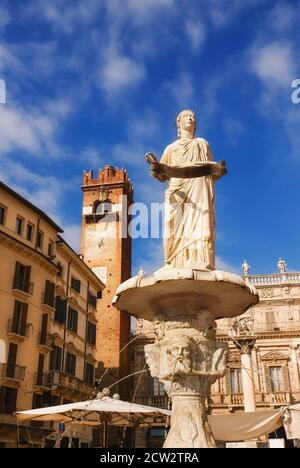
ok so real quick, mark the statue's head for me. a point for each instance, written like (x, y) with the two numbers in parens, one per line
(186, 120)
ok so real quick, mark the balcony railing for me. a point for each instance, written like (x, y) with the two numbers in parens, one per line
(154, 400)
(41, 380)
(25, 287)
(235, 399)
(19, 329)
(70, 383)
(269, 280)
(13, 372)
(45, 339)
(48, 300)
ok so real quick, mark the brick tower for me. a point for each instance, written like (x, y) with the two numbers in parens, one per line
(106, 249)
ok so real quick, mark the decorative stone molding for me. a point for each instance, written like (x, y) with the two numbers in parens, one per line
(274, 357)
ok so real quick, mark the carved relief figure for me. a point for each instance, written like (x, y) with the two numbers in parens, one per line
(246, 268)
(281, 265)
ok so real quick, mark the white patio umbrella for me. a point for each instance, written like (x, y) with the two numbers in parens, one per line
(94, 412)
(102, 410)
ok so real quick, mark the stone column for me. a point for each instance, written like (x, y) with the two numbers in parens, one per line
(294, 357)
(255, 370)
(246, 346)
(187, 359)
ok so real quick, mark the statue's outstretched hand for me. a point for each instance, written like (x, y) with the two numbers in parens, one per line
(156, 169)
(219, 170)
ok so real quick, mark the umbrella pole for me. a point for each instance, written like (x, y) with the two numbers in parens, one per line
(104, 435)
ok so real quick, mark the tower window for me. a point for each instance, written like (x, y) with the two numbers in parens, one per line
(103, 208)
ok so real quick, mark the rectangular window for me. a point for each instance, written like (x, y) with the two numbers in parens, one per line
(19, 225)
(40, 370)
(92, 300)
(2, 214)
(276, 377)
(11, 360)
(158, 388)
(55, 358)
(39, 239)
(60, 310)
(44, 329)
(8, 400)
(89, 374)
(70, 364)
(50, 249)
(49, 294)
(91, 333)
(236, 381)
(72, 320)
(19, 321)
(22, 277)
(29, 232)
(75, 284)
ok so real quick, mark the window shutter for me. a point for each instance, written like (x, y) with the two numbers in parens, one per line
(27, 278)
(2, 399)
(16, 316)
(268, 380)
(44, 328)
(23, 323)
(51, 294)
(11, 361)
(40, 369)
(17, 275)
(286, 378)
(75, 321)
(227, 381)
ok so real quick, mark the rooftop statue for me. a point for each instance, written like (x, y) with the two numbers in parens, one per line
(187, 165)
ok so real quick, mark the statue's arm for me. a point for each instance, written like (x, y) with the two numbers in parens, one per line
(163, 172)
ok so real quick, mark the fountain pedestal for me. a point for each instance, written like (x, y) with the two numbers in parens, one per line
(186, 357)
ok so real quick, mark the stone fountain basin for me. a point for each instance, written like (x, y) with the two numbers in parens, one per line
(172, 291)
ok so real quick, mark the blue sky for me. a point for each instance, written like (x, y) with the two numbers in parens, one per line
(98, 82)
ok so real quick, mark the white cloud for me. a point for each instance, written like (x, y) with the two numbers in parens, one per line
(283, 17)
(274, 63)
(139, 12)
(91, 158)
(64, 15)
(233, 129)
(119, 73)
(21, 130)
(224, 265)
(9, 61)
(181, 89)
(150, 257)
(72, 235)
(224, 12)
(196, 33)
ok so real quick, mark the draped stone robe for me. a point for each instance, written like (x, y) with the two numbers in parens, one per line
(189, 234)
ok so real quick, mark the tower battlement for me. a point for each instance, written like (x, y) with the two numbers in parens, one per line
(107, 176)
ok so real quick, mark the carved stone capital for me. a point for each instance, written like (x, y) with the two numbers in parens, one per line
(245, 345)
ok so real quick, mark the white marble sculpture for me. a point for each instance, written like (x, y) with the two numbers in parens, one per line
(246, 268)
(189, 235)
(186, 296)
(281, 265)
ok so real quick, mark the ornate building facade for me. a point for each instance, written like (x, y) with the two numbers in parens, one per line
(48, 303)
(268, 335)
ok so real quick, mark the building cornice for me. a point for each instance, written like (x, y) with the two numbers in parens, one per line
(31, 206)
(32, 254)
